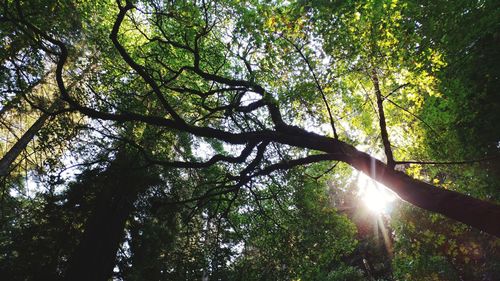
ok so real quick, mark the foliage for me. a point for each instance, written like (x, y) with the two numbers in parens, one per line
(203, 139)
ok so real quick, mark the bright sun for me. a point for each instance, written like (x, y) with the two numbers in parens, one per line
(376, 196)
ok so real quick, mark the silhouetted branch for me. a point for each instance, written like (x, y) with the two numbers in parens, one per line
(382, 123)
(448, 162)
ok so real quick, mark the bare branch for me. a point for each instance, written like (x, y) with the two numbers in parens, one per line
(318, 85)
(412, 114)
(459, 162)
(138, 68)
(396, 89)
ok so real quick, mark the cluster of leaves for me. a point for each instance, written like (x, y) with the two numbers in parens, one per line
(461, 125)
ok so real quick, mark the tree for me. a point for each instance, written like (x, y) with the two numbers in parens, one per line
(120, 184)
(26, 79)
(461, 207)
(252, 85)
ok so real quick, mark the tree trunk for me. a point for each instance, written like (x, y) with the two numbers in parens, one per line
(20, 145)
(95, 256)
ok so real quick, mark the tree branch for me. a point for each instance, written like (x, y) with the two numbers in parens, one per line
(382, 123)
(459, 162)
(318, 86)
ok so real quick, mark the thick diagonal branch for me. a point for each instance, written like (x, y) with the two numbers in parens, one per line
(135, 66)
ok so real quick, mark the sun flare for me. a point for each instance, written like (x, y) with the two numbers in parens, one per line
(376, 196)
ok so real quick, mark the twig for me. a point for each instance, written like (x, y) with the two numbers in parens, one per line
(318, 85)
(459, 162)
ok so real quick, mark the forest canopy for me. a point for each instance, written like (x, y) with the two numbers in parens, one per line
(249, 140)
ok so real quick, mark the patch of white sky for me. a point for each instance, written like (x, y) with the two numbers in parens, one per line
(202, 149)
(140, 16)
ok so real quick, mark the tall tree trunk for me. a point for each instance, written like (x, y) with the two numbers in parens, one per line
(21, 144)
(95, 256)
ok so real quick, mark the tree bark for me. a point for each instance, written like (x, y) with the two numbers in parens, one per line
(381, 117)
(21, 144)
(94, 257)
